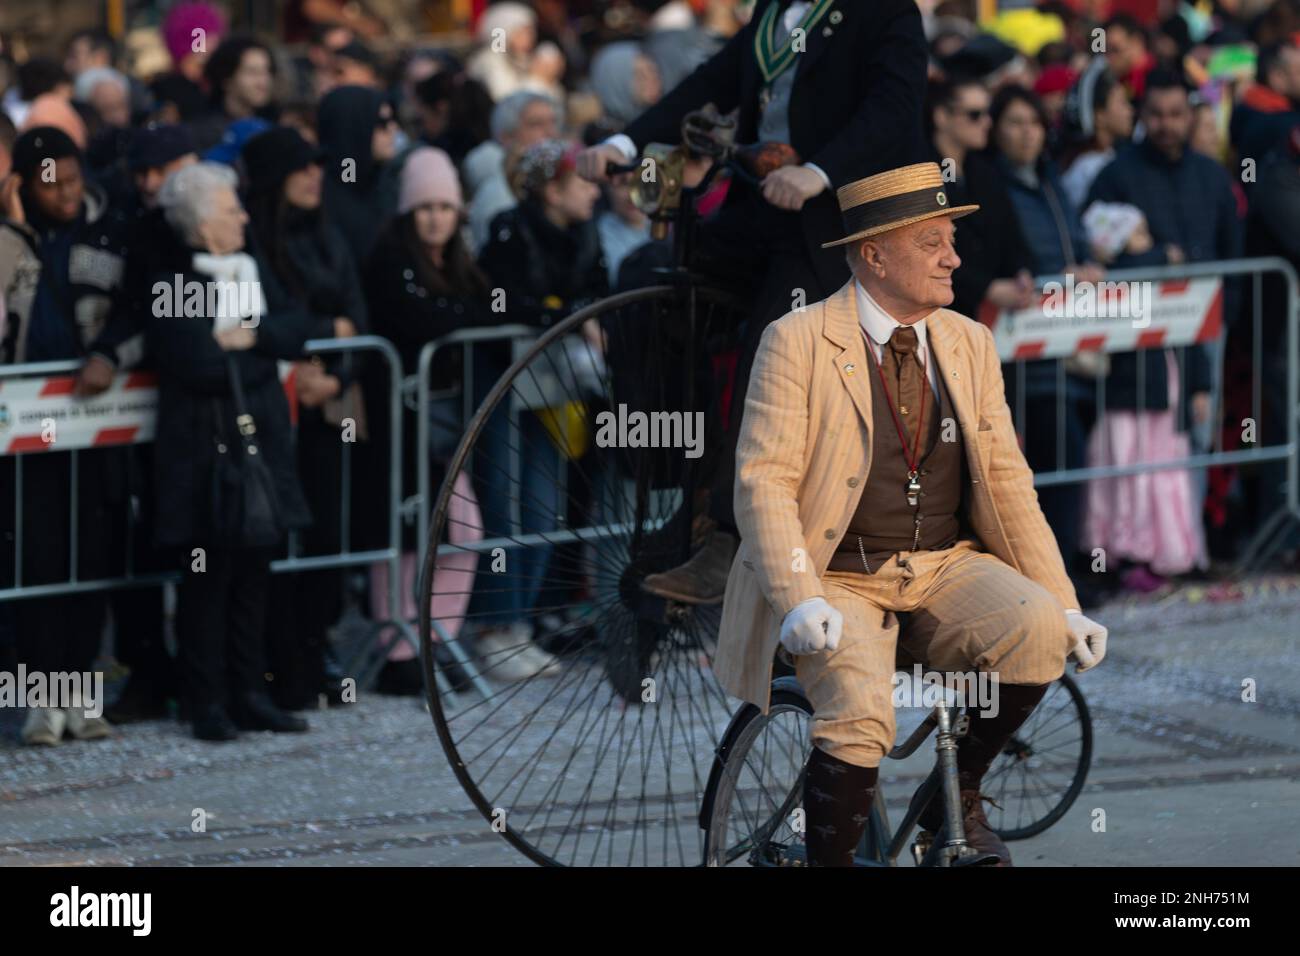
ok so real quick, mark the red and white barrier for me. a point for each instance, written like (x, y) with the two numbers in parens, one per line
(1108, 317)
(42, 414)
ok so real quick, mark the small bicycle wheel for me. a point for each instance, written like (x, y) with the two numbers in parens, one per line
(1041, 770)
(579, 712)
(748, 815)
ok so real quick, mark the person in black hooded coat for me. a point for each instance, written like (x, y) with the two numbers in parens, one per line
(358, 135)
(301, 250)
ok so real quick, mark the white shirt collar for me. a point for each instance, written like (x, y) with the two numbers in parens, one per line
(880, 324)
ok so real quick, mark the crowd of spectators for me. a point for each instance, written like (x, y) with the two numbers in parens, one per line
(362, 188)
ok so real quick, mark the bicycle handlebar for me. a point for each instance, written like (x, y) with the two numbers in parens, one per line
(737, 171)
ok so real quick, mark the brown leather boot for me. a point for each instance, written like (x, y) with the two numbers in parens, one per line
(702, 579)
(979, 834)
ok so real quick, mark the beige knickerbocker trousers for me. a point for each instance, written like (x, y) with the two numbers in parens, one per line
(970, 611)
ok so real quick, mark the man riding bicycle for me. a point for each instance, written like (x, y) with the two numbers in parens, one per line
(879, 473)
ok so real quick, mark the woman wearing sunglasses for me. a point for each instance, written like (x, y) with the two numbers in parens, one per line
(359, 137)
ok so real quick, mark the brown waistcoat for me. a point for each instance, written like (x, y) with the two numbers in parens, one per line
(884, 519)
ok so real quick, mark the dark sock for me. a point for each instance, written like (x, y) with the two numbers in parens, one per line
(837, 799)
(988, 735)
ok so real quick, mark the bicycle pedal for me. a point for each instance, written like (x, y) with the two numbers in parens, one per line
(975, 858)
(921, 846)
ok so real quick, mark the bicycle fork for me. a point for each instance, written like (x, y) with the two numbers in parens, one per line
(955, 850)
(946, 747)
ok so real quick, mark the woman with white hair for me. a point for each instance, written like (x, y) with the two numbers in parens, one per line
(107, 92)
(227, 489)
(508, 32)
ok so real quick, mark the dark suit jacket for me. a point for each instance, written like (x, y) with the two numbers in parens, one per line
(855, 107)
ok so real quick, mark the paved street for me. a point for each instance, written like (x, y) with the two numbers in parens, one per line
(1185, 772)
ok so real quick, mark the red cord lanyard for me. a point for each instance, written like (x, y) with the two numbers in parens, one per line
(913, 486)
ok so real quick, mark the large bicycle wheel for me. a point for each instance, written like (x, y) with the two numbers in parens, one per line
(598, 755)
(1041, 770)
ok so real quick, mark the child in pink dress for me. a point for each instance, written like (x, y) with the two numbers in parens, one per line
(1149, 519)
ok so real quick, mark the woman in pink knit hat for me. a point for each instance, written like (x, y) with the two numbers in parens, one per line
(421, 283)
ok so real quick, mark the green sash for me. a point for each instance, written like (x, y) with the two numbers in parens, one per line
(771, 60)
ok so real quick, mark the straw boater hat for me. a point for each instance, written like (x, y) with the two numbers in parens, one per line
(892, 199)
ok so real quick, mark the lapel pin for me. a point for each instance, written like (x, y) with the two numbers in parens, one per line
(850, 369)
(827, 32)
(836, 16)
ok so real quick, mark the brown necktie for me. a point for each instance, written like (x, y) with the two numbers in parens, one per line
(906, 378)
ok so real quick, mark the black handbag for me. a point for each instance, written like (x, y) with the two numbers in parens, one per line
(245, 506)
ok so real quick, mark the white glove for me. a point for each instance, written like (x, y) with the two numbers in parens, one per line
(810, 626)
(1089, 640)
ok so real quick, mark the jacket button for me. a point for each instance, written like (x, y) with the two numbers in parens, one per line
(830, 533)
(853, 482)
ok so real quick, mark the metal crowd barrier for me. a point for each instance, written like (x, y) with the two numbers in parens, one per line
(368, 660)
(419, 394)
(416, 392)
(1271, 535)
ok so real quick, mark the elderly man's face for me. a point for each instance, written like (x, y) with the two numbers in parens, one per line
(223, 231)
(111, 102)
(912, 265)
(537, 121)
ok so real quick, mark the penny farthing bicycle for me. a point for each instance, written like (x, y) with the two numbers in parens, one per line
(603, 755)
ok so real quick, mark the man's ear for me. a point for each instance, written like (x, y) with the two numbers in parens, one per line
(869, 252)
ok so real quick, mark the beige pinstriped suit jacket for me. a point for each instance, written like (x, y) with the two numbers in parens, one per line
(805, 451)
